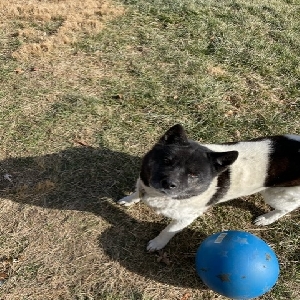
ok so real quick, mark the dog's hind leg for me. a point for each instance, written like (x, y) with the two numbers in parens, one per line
(283, 199)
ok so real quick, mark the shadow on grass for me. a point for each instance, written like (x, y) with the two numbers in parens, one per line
(86, 179)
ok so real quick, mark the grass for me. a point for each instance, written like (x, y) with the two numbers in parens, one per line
(82, 101)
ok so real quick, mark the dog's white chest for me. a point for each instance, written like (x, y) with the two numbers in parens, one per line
(174, 209)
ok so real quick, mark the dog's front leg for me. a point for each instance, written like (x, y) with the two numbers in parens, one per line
(165, 235)
(131, 199)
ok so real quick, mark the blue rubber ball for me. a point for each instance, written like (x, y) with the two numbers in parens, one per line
(237, 264)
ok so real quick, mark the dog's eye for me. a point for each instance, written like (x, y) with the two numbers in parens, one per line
(168, 161)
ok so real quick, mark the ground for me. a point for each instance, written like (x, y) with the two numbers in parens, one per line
(85, 91)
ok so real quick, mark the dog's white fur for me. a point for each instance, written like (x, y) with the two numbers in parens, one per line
(248, 174)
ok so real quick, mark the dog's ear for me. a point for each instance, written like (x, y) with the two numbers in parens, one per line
(222, 160)
(175, 135)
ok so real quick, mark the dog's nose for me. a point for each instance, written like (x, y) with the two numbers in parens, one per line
(167, 184)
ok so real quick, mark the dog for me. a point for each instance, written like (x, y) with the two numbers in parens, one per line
(181, 178)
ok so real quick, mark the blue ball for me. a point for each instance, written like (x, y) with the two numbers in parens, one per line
(237, 264)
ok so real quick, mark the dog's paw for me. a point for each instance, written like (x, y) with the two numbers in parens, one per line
(260, 221)
(156, 244)
(268, 218)
(128, 200)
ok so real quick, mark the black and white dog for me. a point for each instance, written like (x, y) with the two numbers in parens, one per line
(181, 179)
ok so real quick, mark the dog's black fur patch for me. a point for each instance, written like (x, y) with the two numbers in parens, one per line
(223, 186)
(284, 167)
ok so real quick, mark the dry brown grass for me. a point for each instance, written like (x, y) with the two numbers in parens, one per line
(62, 238)
(45, 27)
(46, 32)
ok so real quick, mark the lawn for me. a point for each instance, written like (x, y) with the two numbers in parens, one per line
(86, 88)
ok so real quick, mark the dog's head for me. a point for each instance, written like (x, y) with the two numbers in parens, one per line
(181, 168)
